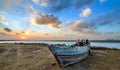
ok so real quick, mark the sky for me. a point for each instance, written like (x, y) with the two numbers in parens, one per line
(59, 19)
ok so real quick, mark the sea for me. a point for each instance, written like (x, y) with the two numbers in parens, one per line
(96, 44)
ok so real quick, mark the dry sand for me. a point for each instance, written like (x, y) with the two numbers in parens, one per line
(100, 60)
(38, 57)
(26, 57)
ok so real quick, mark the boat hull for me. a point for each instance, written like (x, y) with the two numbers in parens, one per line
(67, 59)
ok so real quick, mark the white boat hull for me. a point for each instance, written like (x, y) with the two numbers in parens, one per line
(69, 55)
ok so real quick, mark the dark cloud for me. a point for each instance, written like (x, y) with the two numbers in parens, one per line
(47, 34)
(7, 29)
(61, 4)
(76, 4)
(4, 34)
(80, 3)
(17, 33)
(43, 19)
(58, 5)
(23, 32)
(112, 18)
(81, 26)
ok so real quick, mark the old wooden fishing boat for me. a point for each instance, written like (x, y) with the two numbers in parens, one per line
(66, 55)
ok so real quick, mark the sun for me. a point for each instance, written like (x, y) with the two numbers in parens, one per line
(22, 37)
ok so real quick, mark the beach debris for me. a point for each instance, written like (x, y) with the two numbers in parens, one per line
(90, 64)
(109, 50)
(2, 50)
(19, 65)
(101, 62)
(44, 68)
(99, 55)
(118, 59)
(52, 63)
(93, 65)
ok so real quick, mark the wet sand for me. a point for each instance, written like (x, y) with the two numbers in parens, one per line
(38, 57)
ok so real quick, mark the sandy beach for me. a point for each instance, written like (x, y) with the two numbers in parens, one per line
(38, 57)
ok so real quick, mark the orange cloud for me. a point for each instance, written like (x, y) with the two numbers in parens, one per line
(79, 26)
(43, 19)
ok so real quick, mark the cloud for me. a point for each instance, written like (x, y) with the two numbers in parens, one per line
(2, 20)
(81, 3)
(90, 27)
(17, 33)
(25, 33)
(81, 26)
(43, 3)
(7, 29)
(1, 17)
(47, 34)
(4, 23)
(11, 6)
(8, 4)
(36, 1)
(58, 5)
(86, 13)
(3, 34)
(102, 1)
(55, 5)
(43, 19)
(111, 18)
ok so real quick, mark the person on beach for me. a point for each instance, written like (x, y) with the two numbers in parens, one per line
(87, 41)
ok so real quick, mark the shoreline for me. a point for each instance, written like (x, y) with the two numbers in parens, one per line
(117, 41)
(45, 44)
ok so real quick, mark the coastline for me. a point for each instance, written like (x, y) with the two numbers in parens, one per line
(96, 44)
(36, 56)
(117, 41)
